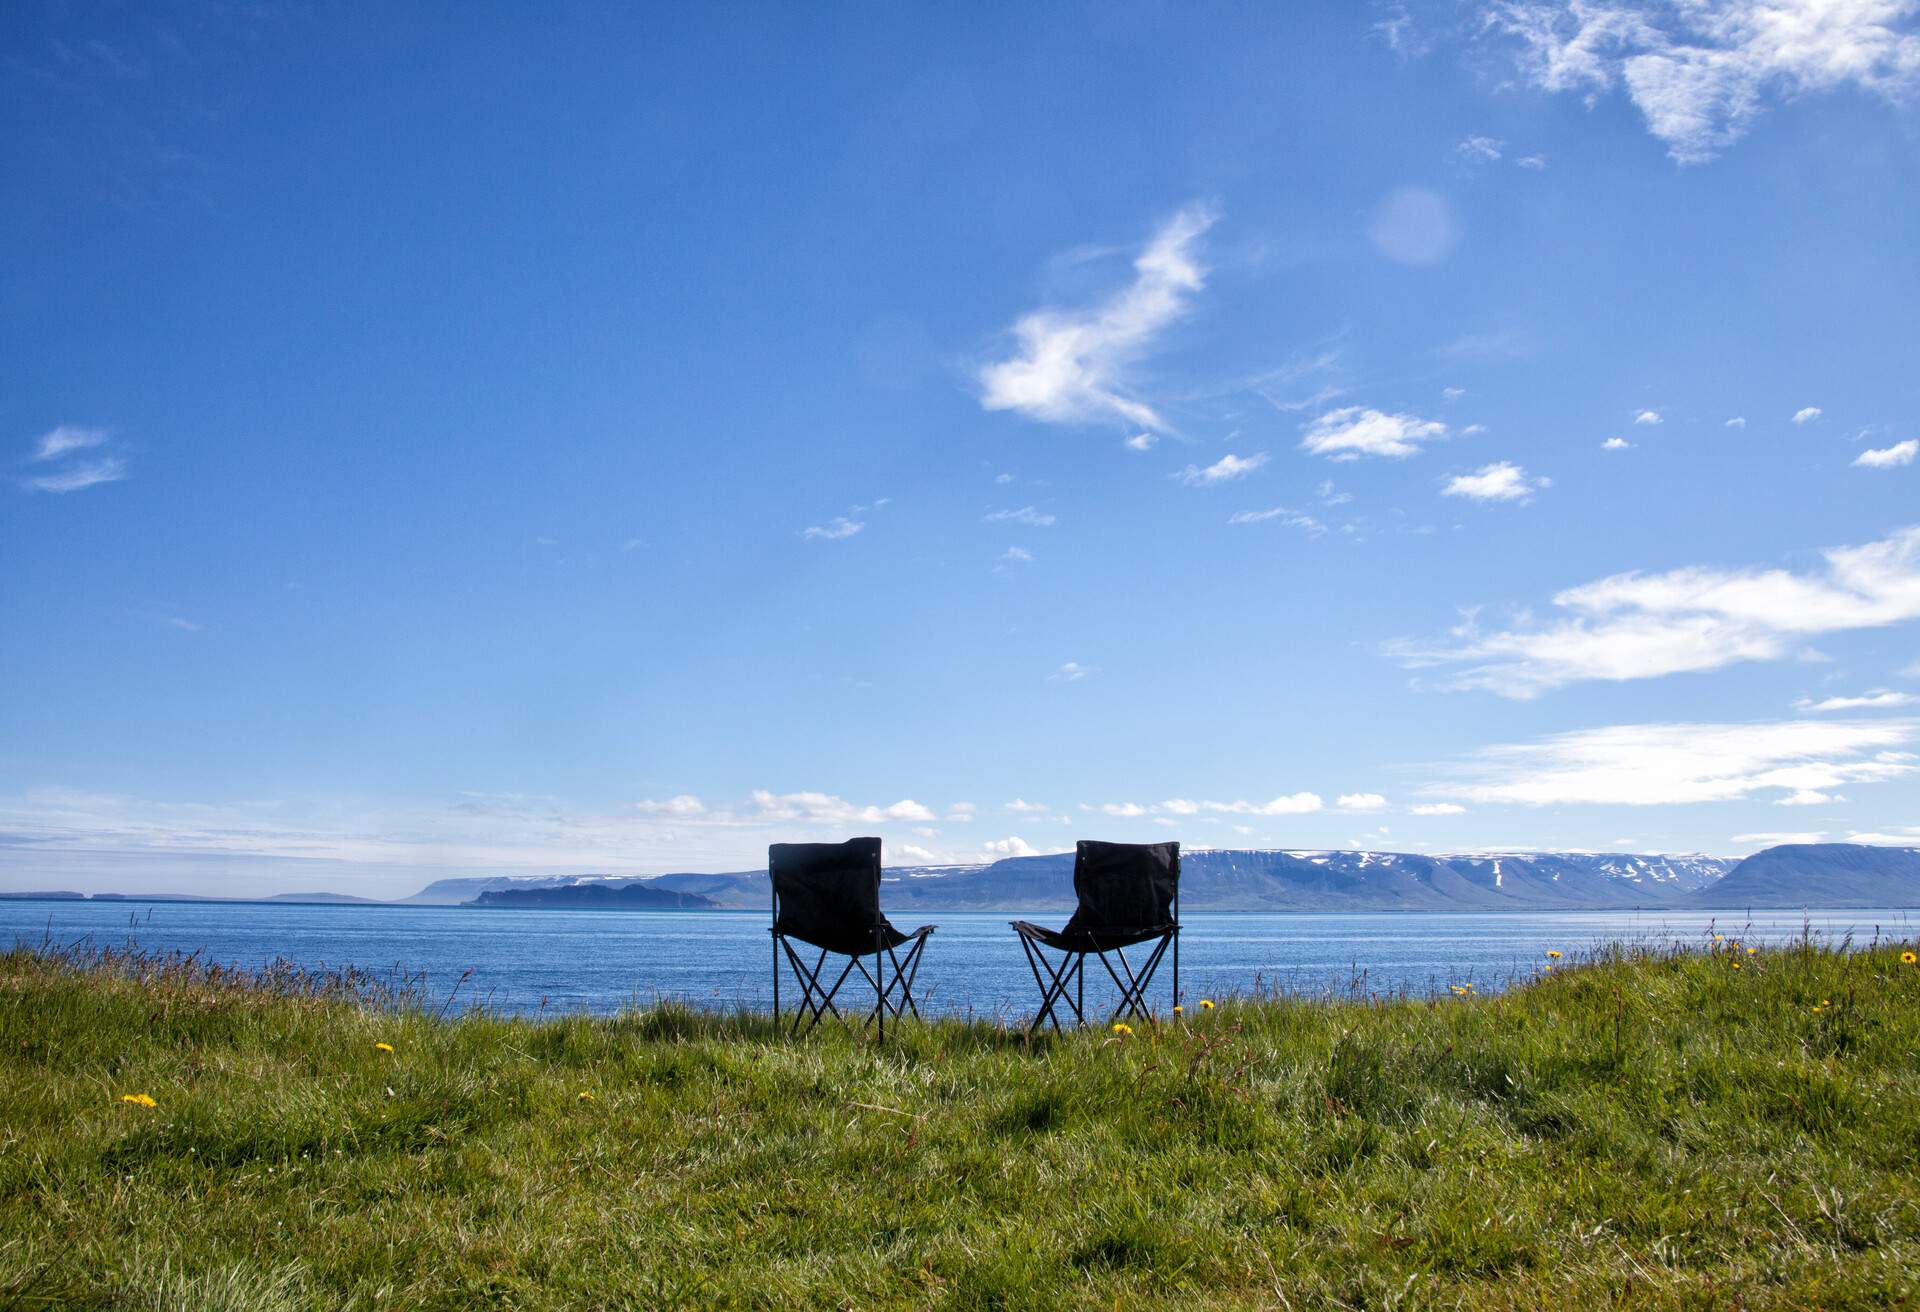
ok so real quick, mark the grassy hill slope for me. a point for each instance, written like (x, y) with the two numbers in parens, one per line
(1712, 1129)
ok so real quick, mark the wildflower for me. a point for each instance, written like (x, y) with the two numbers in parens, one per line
(383, 1047)
(1206, 1004)
(1121, 1028)
(1907, 958)
(1825, 1002)
(1718, 937)
(1179, 1010)
(585, 1096)
(1553, 954)
(1736, 965)
(1752, 951)
(139, 1099)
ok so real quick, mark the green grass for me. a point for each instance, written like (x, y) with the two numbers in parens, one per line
(1641, 1130)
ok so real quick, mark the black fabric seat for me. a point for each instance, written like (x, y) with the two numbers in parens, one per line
(1129, 894)
(827, 895)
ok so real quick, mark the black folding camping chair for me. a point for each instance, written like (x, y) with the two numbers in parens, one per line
(1129, 894)
(827, 895)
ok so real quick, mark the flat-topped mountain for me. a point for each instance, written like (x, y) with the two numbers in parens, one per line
(1211, 880)
(1819, 875)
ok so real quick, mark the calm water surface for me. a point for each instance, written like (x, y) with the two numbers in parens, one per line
(526, 961)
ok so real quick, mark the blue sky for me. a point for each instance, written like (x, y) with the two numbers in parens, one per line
(607, 438)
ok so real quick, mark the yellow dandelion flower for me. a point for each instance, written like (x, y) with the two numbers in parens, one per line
(1549, 970)
(585, 1096)
(1179, 1010)
(1553, 954)
(1736, 965)
(139, 1099)
(1206, 1004)
(1753, 951)
(1907, 958)
(1122, 1028)
(383, 1047)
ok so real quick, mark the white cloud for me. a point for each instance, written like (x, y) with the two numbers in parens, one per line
(1325, 491)
(1615, 444)
(1481, 150)
(75, 478)
(1878, 700)
(1072, 672)
(1142, 442)
(65, 440)
(1678, 763)
(1289, 804)
(1226, 469)
(1534, 162)
(1807, 797)
(1439, 808)
(1016, 556)
(1700, 73)
(1889, 457)
(918, 856)
(1639, 626)
(1361, 802)
(1073, 366)
(1011, 846)
(1003, 479)
(1648, 417)
(1738, 421)
(1352, 432)
(838, 529)
(1027, 515)
(1452, 393)
(1807, 415)
(1020, 806)
(685, 804)
(824, 808)
(1774, 838)
(1504, 481)
(1906, 837)
(1125, 810)
(1291, 518)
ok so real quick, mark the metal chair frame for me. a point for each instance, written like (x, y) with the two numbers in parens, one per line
(890, 997)
(1072, 970)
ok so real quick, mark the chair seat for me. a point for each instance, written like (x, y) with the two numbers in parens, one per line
(853, 945)
(1104, 939)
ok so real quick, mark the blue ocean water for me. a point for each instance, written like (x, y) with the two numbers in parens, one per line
(532, 961)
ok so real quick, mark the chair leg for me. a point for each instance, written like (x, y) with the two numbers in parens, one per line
(815, 1001)
(1133, 987)
(1054, 989)
(903, 977)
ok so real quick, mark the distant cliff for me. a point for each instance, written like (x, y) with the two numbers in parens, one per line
(1819, 875)
(594, 897)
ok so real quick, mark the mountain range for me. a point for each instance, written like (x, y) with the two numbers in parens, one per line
(1824, 874)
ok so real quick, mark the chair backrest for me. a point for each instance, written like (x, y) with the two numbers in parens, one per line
(1125, 885)
(826, 891)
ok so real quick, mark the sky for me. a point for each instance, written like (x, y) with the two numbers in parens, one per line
(568, 438)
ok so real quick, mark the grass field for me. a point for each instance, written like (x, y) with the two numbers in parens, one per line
(1702, 1129)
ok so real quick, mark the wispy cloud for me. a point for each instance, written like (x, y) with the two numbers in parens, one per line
(1678, 763)
(1287, 804)
(1291, 518)
(1016, 556)
(1889, 457)
(1615, 444)
(1504, 481)
(1030, 516)
(1702, 73)
(1639, 626)
(1020, 806)
(1480, 150)
(1439, 808)
(1648, 417)
(1354, 431)
(1807, 414)
(837, 529)
(1142, 442)
(1072, 672)
(1878, 700)
(1738, 421)
(1075, 366)
(65, 440)
(1227, 469)
(1361, 802)
(78, 477)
